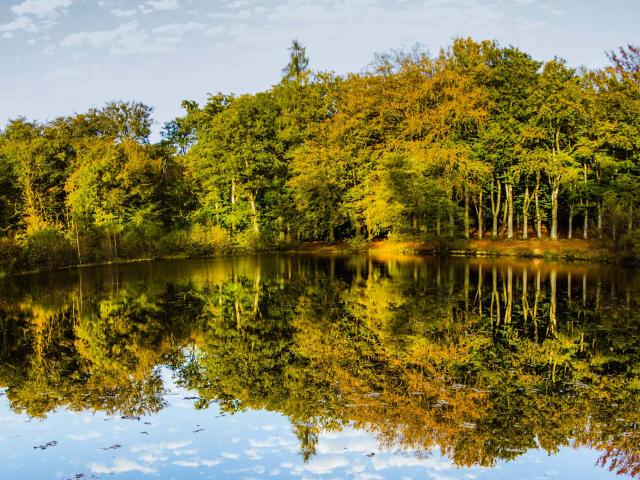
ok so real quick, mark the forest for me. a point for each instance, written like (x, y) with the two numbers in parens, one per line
(477, 140)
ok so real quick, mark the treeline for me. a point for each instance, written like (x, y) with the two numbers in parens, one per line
(479, 141)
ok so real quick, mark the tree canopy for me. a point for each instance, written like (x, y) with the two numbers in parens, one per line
(477, 140)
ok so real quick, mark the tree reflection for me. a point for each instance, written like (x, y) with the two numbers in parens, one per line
(483, 359)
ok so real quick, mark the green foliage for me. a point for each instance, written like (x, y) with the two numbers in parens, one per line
(47, 248)
(208, 239)
(477, 140)
(10, 253)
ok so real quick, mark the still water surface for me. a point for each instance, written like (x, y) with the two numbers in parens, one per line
(309, 367)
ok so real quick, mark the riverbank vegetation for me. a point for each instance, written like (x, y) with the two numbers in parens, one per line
(477, 141)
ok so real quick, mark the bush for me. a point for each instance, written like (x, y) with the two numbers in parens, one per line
(251, 241)
(630, 246)
(175, 242)
(358, 243)
(141, 240)
(10, 255)
(48, 248)
(208, 240)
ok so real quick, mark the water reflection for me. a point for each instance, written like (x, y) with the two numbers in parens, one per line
(480, 360)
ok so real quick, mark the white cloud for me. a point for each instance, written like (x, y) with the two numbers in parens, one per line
(163, 4)
(154, 447)
(179, 28)
(120, 465)
(123, 13)
(324, 465)
(230, 456)
(127, 39)
(152, 458)
(83, 437)
(19, 24)
(361, 444)
(214, 31)
(40, 8)
(431, 463)
(186, 464)
(197, 463)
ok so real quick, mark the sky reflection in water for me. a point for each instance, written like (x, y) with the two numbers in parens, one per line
(288, 367)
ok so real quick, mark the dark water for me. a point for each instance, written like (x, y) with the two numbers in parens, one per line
(308, 367)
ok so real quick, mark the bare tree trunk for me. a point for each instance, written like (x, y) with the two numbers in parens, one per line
(466, 215)
(599, 226)
(233, 191)
(630, 216)
(495, 208)
(509, 191)
(525, 213)
(75, 224)
(585, 227)
(254, 213)
(570, 233)
(538, 217)
(555, 190)
(480, 211)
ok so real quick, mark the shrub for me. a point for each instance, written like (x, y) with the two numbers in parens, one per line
(358, 243)
(630, 246)
(251, 241)
(141, 240)
(48, 248)
(175, 241)
(10, 255)
(208, 239)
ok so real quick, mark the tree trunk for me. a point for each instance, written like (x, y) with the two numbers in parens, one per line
(599, 226)
(555, 190)
(233, 191)
(480, 216)
(75, 224)
(495, 208)
(254, 213)
(585, 227)
(509, 193)
(630, 216)
(466, 215)
(525, 213)
(538, 212)
(570, 233)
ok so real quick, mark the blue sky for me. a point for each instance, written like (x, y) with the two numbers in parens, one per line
(181, 442)
(61, 56)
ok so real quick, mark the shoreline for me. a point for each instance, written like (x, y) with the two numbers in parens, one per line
(567, 251)
(556, 250)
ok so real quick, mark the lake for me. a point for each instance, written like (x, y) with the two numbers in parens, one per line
(321, 367)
